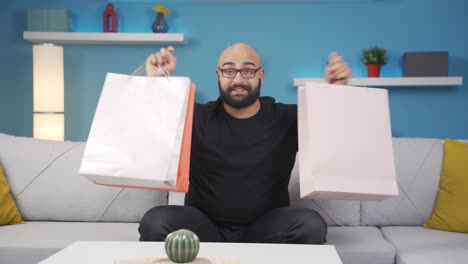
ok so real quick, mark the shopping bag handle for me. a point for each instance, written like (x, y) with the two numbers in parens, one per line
(166, 73)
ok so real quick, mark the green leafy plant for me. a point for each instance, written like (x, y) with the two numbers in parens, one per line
(374, 55)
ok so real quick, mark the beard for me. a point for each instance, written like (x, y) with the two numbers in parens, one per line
(240, 101)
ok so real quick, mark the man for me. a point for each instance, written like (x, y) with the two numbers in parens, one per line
(243, 150)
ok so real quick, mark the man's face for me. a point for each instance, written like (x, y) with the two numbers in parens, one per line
(239, 76)
(239, 95)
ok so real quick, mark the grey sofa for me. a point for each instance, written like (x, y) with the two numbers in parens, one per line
(61, 207)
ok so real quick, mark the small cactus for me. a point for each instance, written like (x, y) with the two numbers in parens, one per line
(182, 246)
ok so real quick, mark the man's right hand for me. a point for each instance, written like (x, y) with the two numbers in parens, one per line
(163, 58)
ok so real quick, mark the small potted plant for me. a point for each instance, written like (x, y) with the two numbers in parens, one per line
(182, 246)
(374, 57)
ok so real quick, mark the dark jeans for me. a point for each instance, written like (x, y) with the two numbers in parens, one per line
(280, 225)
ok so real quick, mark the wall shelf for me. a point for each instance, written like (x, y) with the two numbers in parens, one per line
(95, 38)
(231, 1)
(393, 81)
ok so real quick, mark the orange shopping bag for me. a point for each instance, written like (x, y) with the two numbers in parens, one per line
(184, 163)
(141, 133)
(183, 170)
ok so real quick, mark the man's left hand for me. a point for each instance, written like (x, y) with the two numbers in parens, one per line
(337, 70)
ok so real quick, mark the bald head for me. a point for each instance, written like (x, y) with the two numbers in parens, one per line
(239, 55)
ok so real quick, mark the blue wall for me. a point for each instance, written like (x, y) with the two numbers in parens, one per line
(294, 41)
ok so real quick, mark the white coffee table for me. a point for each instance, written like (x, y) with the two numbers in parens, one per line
(106, 252)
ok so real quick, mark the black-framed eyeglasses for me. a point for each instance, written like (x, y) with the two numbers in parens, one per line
(246, 72)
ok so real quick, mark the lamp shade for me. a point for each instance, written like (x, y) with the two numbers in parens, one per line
(49, 126)
(48, 92)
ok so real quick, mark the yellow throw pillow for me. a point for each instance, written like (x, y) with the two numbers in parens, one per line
(9, 214)
(450, 212)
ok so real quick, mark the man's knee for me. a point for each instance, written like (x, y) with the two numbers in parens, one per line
(313, 228)
(156, 223)
(288, 225)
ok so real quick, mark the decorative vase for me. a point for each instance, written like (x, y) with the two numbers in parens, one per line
(109, 19)
(160, 25)
(373, 70)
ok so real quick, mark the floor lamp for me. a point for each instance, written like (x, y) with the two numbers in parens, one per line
(48, 92)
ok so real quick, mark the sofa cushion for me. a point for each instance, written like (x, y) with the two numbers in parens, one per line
(335, 212)
(450, 212)
(9, 213)
(418, 163)
(416, 244)
(361, 245)
(34, 241)
(176, 198)
(43, 175)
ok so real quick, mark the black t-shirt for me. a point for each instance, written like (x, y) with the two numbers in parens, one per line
(240, 168)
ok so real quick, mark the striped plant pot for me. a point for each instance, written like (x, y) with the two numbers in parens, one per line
(182, 246)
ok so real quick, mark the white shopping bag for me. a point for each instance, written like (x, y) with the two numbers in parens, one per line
(345, 143)
(136, 135)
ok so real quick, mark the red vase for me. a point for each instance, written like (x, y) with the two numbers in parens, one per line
(373, 70)
(109, 19)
